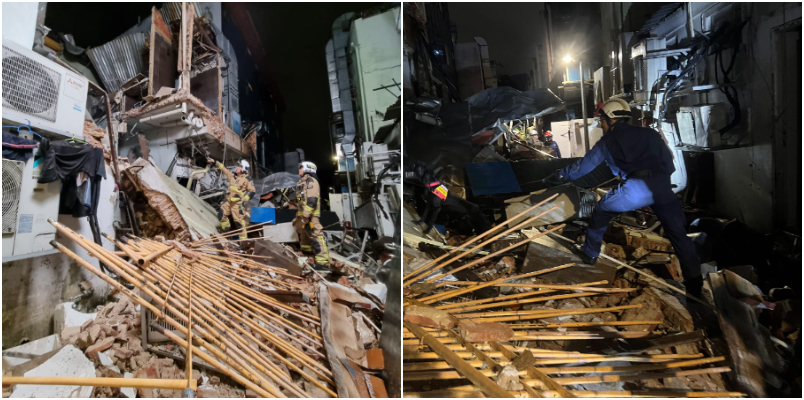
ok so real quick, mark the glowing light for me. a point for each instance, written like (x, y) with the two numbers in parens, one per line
(567, 58)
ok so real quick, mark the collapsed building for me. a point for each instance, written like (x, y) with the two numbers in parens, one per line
(512, 311)
(117, 279)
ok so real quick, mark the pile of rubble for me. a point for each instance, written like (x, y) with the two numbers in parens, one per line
(272, 327)
(515, 313)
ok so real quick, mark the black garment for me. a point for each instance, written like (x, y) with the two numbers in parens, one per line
(454, 207)
(64, 161)
(17, 148)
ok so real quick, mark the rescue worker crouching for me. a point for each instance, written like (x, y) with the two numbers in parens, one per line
(311, 236)
(240, 190)
(643, 159)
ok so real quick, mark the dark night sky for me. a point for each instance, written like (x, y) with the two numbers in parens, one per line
(505, 27)
(294, 36)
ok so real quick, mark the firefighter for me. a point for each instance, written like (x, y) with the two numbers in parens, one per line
(643, 159)
(549, 143)
(439, 198)
(311, 236)
(240, 191)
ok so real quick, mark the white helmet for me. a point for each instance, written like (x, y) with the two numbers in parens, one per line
(244, 165)
(615, 108)
(308, 167)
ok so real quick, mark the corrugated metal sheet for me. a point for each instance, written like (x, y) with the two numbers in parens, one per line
(172, 11)
(120, 60)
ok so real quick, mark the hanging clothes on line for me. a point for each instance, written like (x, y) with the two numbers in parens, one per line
(17, 148)
(80, 167)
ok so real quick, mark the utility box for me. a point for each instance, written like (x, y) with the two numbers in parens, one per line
(27, 205)
(698, 126)
(647, 67)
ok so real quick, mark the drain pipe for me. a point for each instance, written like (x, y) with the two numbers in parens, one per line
(194, 173)
(349, 187)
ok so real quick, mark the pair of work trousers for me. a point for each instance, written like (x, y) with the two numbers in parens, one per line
(235, 209)
(455, 208)
(313, 241)
(654, 191)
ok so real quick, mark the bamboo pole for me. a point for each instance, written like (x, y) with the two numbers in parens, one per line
(631, 378)
(576, 311)
(249, 229)
(474, 393)
(464, 245)
(496, 253)
(478, 247)
(511, 296)
(142, 302)
(189, 357)
(452, 293)
(166, 384)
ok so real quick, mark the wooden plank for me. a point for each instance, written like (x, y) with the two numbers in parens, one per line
(482, 382)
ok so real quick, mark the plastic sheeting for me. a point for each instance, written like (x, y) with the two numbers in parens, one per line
(279, 180)
(450, 143)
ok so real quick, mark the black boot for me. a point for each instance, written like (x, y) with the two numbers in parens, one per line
(578, 251)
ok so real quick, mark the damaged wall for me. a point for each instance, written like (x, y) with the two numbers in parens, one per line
(33, 287)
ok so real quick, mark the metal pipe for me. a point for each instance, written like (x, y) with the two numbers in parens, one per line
(349, 187)
(583, 110)
(194, 173)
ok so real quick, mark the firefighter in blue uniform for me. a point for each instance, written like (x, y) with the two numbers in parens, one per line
(641, 157)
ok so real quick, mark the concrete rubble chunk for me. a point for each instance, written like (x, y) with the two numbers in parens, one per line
(67, 362)
(377, 290)
(428, 316)
(651, 310)
(675, 313)
(485, 331)
(92, 351)
(508, 378)
(65, 316)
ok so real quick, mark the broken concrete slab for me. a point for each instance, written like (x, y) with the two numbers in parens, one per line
(67, 362)
(280, 256)
(26, 352)
(377, 290)
(572, 201)
(281, 233)
(476, 332)
(541, 257)
(428, 316)
(65, 316)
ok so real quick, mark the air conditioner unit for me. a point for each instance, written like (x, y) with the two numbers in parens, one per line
(37, 89)
(27, 205)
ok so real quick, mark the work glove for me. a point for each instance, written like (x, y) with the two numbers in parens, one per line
(234, 199)
(554, 179)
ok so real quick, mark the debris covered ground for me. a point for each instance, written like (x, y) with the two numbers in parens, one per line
(512, 312)
(258, 330)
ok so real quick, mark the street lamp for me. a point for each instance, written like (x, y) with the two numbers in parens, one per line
(568, 59)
